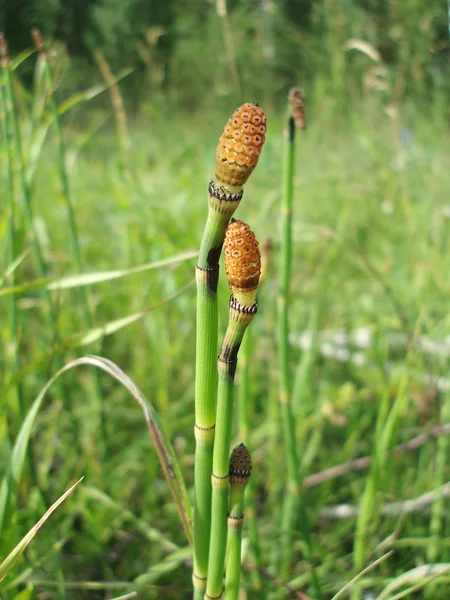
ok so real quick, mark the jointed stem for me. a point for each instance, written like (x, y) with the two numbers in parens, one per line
(244, 427)
(239, 319)
(220, 210)
(293, 499)
(240, 471)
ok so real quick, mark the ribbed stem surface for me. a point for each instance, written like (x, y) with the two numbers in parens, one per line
(244, 427)
(207, 274)
(235, 524)
(293, 501)
(239, 319)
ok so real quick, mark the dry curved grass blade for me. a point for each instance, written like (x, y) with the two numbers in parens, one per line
(348, 585)
(13, 557)
(163, 446)
(420, 576)
(164, 449)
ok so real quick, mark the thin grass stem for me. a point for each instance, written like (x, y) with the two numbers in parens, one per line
(67, 197)
(9, 159)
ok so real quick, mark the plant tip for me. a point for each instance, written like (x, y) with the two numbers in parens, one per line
(240, 145)
(242, 262)
(240, 466)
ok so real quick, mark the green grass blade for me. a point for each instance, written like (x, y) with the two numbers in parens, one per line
(164, 449)
(80, 280)
(14, 556)
(21, 58)
(88, 94)
(90, 336)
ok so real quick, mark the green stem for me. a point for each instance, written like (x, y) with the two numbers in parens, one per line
(244, 427)
(294, 501)
(235, 523)
(239, 318)
(222, 204)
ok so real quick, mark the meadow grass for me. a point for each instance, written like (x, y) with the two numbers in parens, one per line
(370, 244)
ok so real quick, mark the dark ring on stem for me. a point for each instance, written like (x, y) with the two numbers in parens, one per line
(198, 577)
(213, 597)
(228, 362)
(204, 428)
(235, 518)
(207, 269)
(220, 476)
(247, 310)
(222, 194)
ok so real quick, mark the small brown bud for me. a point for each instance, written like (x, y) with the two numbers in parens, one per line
(240, 145)
(242, 262)
(296, 99)
(240, 466)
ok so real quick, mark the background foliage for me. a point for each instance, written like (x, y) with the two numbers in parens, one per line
(369, 305)
(253, 47)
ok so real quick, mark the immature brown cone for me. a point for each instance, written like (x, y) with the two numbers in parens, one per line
(240, 145)
(242, 262)
(296, 99)
(240, 466)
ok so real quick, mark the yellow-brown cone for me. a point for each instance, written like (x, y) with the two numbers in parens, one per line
(240, 466)
(242, 262)
(240, 145)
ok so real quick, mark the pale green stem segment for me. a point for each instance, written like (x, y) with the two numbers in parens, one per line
(239, 318)
(235, 523)
(244, 427)
(222, 204)
(293, 503)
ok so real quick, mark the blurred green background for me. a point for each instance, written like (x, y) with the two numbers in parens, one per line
(118, 141)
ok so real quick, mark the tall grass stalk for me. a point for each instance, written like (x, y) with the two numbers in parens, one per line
(8, 157)
(240, 248)
(386, 428)
(42, 267)
(67, 198)
(294, 500)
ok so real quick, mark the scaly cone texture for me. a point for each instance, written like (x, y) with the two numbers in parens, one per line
(240, 467)
(240, 145)
(242, 262)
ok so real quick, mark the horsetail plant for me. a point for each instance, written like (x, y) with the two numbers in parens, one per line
(236, 156)
(243, 268)
(293, 502)
(240, 471)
